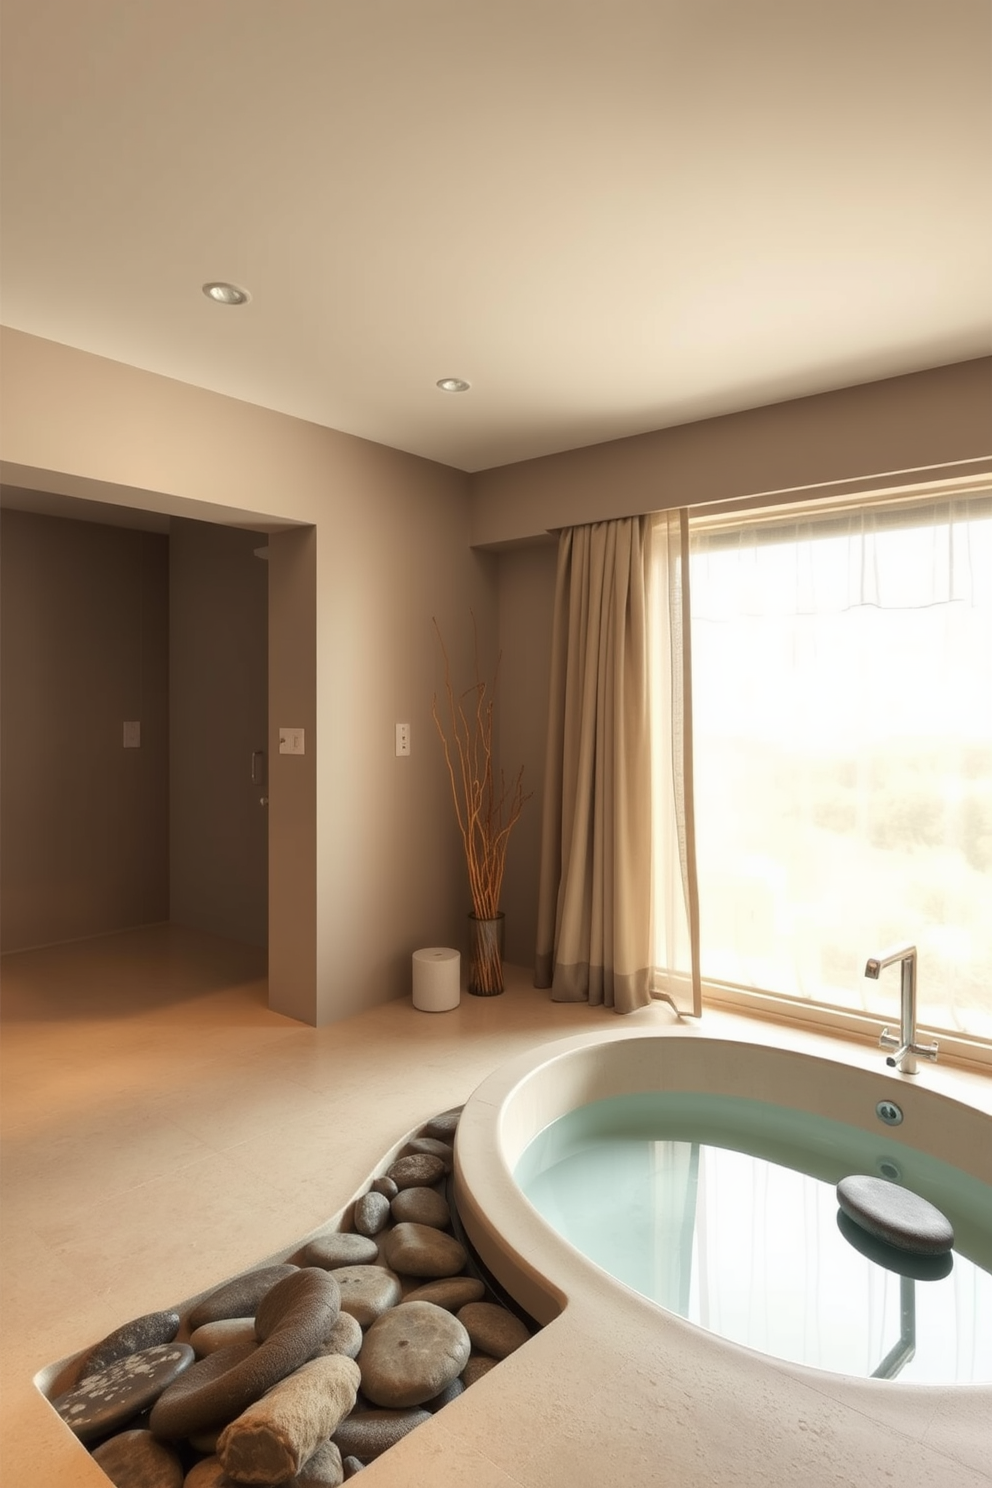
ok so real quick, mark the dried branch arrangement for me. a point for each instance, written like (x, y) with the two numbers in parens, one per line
(486, 806)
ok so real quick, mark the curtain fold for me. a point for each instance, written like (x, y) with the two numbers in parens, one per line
(595, 905)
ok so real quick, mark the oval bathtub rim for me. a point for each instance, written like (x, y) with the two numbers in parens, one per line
(555, 1282)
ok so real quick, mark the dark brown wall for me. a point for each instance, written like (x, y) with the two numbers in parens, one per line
(218, 716)
(85, 821)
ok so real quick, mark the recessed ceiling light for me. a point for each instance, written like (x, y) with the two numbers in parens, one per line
(226, 294)
(453, 385)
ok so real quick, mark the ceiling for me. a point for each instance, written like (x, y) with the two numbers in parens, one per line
(608, 216)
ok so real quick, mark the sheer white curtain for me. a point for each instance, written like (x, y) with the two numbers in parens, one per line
(842, 669)
(674, 894)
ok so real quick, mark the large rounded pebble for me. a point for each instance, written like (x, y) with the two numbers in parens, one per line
(238, 1298)
(418, 1171)
(141, 1333)
(111, 1397)
(367, 1291)
(331, 1251)
(371, 1213)
(345, 1337)
(445, 1397)
(411, 1354)
(451, 1292)
(385, 1185)
(324, 1470)
(351, 1466)
(205, 1442)
(443, 1125)
(895, 1214)
(493, 1330)
(367, 1434)
(292, 1322)
(433, 1148)
(207, 1474)
(134, 1459)
(419, 1250)
(423, 1206)
(210, 1337)
(477, 1366)
(169, 1418)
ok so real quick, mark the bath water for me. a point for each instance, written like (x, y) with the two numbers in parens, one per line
(724, 1211)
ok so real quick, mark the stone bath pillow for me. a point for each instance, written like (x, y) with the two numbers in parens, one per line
(895, 1214)
(292, 1322)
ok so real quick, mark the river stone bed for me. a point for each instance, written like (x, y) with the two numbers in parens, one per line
(297, 1375)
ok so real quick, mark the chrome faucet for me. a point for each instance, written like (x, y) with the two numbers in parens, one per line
(906, 1049)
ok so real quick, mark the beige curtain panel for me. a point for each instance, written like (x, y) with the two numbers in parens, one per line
(594, 911)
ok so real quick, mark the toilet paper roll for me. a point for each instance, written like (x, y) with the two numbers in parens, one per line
(436, 979)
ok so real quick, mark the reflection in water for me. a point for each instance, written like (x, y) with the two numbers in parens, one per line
(756, 1251)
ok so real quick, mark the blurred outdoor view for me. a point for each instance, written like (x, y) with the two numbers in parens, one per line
(842, 714)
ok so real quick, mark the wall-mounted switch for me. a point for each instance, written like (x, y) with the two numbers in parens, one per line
(291, 741)
(402, 739)
(132, 736)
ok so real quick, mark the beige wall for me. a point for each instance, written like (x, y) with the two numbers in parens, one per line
(84, 648)
(526, 602)
(930, 419)
(391, 550)
(915, 423)
(218, 714)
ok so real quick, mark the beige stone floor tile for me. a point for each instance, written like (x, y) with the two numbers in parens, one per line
(163, 1130)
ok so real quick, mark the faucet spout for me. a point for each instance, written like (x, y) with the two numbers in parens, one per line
(905, 1047)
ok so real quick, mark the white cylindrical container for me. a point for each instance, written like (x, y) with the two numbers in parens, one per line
(437, 974)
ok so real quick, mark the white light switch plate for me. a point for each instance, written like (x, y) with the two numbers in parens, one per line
(291, 741)
(402, 739)
(132, 735)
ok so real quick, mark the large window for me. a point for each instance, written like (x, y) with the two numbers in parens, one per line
(842, 717)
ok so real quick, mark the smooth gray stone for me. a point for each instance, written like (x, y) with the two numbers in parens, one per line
(351, 1466)
(140, 1333)
(411, 1354)
(895, 1214)
(367, 1291)
(208, 1474)
(367, 1434)
(371, 1213)
(492, 1329)
(451, 1292)
(331, 1251)
(445, 1397)
(423, 1206)
(477, 1366)
(111, 1397)
(433, 1147)
(171, 1420)
(323, 1470)
(292, 1322)
(419, 1250)
(345, 1337)
(134, 1459)
(239, 1297)
(444, 1125)
(385, 1186)
(210, 1337)
(417, 1171)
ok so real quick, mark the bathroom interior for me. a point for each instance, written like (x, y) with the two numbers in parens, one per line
(208, 1040)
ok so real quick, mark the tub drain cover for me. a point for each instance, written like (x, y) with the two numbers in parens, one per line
(895, 1214)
